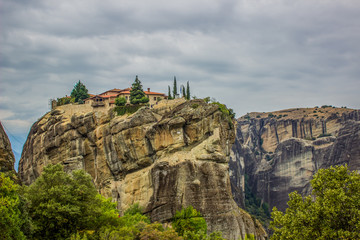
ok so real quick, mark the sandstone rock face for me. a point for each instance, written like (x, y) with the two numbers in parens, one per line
(281, 151)
(164, 158)
(7, 158)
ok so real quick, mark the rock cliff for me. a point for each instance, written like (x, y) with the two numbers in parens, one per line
(171, 156)
(280, 151)
(7, 158)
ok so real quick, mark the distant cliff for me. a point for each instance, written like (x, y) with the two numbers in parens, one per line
(164, 158)
(280, 151)
(7, 158)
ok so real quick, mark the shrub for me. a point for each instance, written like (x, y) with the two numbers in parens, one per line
(324, 135)
(189, 220)
(130, 109)
(227, 113)
(207, 99)
(120, 101)
(194, 105)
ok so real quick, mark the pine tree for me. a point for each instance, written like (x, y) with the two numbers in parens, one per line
(137, 94)
(183, 91)
(175, 88)
(79, 92)
(187, 91)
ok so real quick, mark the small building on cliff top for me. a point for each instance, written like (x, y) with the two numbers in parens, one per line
(107, 99)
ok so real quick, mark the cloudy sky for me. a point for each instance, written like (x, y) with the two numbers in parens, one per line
(252, 55)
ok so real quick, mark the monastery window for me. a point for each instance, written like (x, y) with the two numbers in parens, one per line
(154, 98)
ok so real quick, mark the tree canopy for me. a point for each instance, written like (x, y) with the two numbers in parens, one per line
(61, 204)
(120, 101)
(137, 94)
(11, 217)
(79, 92)
(332, 212)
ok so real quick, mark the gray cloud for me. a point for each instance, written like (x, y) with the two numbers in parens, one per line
(253, 55)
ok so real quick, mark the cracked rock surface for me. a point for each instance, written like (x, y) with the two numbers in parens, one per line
(165, 158)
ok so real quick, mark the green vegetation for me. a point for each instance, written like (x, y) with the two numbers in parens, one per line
(270, 115)
(207, 99)
(189, 220)
(249, 237)
(194, 105)
(332, 212)
(255, 206)
(79, 93)
(187, 91)
(169, 93)
(67, 206)
(120, 101)
(61, 205)
(175, 93)
(183, 92)
(326, 106)
(324, 135)
(137, 95)
(128, 109)
(12, 217)
(64, 100)
(189, 224)
(228, 113)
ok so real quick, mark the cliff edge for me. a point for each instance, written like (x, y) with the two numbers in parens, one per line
(7, 158)
(165, 158)
(280, 151)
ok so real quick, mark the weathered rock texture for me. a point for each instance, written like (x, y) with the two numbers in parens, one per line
(165, 158)
(7, 158)
(281, 151)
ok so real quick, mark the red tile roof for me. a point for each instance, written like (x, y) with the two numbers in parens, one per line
(153, 93)
(120, 92)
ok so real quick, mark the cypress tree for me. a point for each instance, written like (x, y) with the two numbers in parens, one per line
(187, 91)
(175, 88)
(169, 93)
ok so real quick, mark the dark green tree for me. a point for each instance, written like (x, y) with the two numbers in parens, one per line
(175, 92)
(332, 212)
(169, 93)
(79, 92)
(183, 91)
(11, 215)
(137, 94)
(61, 204)
(187, 90)
(120, 101)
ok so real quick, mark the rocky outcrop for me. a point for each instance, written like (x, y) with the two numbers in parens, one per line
(164, 158)
(281, 151)
(7, 158)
